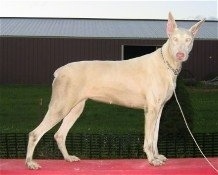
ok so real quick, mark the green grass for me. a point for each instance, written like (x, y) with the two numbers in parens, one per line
(21, 111)
(23, 107)
(20, 107)
(205, 105)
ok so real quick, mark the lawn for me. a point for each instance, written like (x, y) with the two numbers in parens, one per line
(205, 105)
(22, 108)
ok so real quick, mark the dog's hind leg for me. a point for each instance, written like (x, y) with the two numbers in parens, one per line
(61, 103)
(48, 122)
(61, 134)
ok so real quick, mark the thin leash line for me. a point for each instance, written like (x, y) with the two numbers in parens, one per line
(176, 72)
(192, 134)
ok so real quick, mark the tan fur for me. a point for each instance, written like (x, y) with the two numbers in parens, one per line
(144, 82)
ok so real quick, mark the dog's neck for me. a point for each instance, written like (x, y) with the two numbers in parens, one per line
(171, 63)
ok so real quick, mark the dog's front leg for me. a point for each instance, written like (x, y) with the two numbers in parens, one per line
(151, 116)
(156, 133)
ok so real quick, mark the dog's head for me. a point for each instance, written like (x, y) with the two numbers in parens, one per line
(181, 40)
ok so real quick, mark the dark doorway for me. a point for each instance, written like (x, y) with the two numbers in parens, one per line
(135, 51)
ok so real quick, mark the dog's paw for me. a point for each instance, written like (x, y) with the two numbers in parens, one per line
(156, 162)
(161, 157)
(72, 159)
(32, 165)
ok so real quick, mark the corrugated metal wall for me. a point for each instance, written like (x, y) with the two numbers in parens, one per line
(203, 59)
(33, 60)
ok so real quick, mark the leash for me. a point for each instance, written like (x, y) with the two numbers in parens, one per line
(192, 134)
(176, 72)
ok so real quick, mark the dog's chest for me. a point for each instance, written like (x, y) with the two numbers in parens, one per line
(169, 91)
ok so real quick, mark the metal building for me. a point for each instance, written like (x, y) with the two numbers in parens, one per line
(32, 48)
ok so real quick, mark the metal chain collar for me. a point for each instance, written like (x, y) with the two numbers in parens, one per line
(175, 71)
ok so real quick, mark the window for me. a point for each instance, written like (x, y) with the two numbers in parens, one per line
(129, 52)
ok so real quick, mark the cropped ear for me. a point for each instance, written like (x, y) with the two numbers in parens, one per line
(194, 29)
(171, 24)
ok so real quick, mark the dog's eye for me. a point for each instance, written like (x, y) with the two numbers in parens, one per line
(187, 40)
(175, 39)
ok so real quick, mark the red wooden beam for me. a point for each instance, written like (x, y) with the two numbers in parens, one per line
(186, 166)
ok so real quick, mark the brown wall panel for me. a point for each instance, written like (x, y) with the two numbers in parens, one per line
(33, 60)
(203, 59)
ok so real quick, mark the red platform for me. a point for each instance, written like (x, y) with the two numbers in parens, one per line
(186, 166)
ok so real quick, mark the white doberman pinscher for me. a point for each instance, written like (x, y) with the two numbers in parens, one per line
(145, 82)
